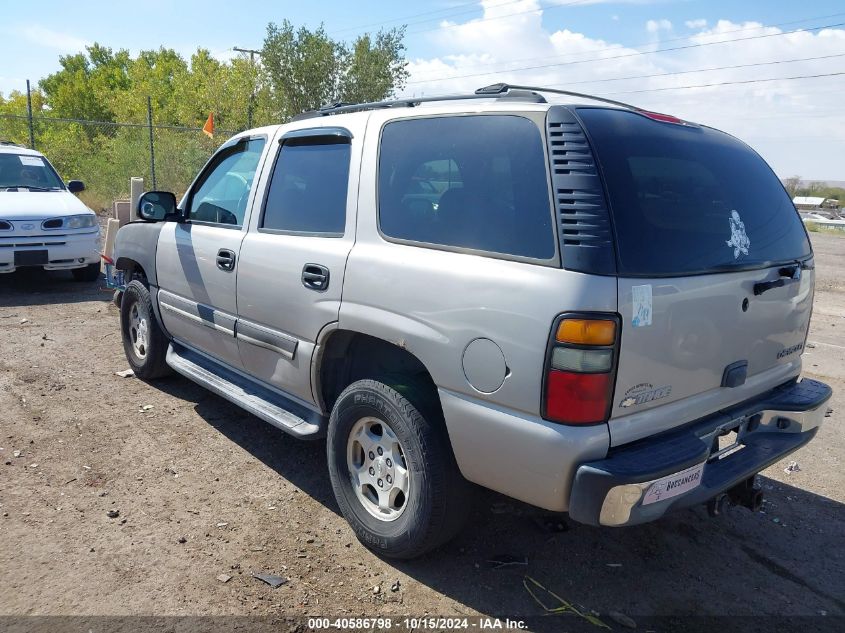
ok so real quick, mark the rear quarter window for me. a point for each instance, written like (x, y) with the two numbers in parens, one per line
(467, 182)
(689, 200)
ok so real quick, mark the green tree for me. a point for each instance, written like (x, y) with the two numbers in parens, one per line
(376, 68)
(298, 70)
(792, 185)
(87, 85)
(307, 69)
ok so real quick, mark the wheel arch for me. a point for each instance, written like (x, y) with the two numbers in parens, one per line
(345, 356)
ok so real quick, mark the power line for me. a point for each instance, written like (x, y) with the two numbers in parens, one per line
(540, 7)
(417, 15)
(673, 39)
(633, 54)
(725, 83)
(493, 18)
(697, 70)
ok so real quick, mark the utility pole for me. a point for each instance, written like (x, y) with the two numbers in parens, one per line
(29, 116)
(252, 53)
(152, 145)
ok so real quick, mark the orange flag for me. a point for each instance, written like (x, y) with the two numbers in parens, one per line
(208, 128)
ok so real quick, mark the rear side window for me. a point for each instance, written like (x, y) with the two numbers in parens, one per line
(688, 200)
(308, 189)
(474, 182)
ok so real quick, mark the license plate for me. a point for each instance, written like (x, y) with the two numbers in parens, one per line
(30, 258)
(674, 485)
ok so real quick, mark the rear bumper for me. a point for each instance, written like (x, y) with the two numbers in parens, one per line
(615, 491)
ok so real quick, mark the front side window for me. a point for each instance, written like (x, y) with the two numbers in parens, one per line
(308, 189)
(474, 182)
(222, 194)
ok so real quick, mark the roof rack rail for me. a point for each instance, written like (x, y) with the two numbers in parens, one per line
(410, 102)
(503, 89)
(494, 91)
(12, 143)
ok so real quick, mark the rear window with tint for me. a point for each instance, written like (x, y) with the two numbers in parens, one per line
(475, 182)
(689, 200)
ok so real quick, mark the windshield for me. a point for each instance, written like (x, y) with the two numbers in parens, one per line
(689, 200)
(30, 172)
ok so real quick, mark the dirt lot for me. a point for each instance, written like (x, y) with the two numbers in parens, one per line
(203, 489)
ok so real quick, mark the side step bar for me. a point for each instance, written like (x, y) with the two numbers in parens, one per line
(262, 402)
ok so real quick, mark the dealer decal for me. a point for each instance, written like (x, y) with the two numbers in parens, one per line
(787, 351)
(643, 393)
(674, 485)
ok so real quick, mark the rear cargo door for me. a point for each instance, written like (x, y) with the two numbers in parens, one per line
(715, 284)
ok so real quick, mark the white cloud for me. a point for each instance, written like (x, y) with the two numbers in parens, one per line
(799, 126)
(42, 36)
(653, 26)
(695, 24)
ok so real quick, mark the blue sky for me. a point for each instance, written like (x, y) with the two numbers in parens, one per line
(796, 124)
(220, 24)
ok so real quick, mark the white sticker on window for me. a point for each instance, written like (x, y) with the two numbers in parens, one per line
(32, 161)
(739, 239)
(642, 305)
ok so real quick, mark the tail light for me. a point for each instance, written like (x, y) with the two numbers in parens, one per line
(581, 368)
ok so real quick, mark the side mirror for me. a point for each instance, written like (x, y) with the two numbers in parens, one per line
(155, 206)
(75, 186)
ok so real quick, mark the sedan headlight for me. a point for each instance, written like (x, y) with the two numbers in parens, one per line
(85, 221)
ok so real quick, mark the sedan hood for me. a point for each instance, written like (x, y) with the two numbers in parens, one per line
(39, 205)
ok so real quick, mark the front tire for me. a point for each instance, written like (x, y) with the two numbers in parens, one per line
(144, 342)
(393, 472)
(88, 273)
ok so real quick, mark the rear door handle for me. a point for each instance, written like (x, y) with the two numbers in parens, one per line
(315, 276)
(787, 274)
(225, 259)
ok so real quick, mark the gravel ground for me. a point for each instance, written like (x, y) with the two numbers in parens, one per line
(131, 498)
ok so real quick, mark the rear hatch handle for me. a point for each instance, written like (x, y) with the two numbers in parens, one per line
(787, 274)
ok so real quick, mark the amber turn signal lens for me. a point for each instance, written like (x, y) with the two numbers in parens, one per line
(586, 332)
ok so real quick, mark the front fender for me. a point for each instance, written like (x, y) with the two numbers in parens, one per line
(137, 242)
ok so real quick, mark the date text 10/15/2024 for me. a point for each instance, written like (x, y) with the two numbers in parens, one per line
(411, 624)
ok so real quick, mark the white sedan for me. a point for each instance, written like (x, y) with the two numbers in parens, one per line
(42, 223)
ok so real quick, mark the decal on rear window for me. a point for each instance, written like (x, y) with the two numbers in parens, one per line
(739, 239)
(642, 305)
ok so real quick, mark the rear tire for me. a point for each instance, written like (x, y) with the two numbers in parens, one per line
(88, 273)
(144, 341)
(393, 472)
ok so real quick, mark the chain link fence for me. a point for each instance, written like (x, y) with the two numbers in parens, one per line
(106, 155)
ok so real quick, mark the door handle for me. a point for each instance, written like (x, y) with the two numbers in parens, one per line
(315, 277)
(787, 274)
(225, 259)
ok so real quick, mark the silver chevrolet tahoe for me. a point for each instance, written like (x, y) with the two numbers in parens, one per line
(594, 309)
